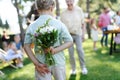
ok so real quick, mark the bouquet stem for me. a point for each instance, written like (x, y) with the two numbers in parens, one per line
(49, 59)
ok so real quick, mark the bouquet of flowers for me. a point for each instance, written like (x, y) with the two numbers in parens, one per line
(45, 37)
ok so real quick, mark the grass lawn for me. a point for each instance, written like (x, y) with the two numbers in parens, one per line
(100, 64)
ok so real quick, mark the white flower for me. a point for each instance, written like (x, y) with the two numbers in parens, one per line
(47, 29)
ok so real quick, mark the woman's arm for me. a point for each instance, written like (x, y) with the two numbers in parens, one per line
(61, 48)
(41, 68)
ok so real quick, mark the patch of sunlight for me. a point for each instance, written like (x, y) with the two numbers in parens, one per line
(104, 51)
(113, 65)
(112, 57)
(26, 71)
(88, 54)
(116, 66)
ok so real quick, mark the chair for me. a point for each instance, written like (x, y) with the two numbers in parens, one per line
(3, 59)
(1, 73)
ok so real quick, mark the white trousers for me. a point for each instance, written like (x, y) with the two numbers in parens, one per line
(78, 42)
(58, 73)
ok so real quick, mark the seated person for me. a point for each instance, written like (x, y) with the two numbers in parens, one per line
(5, 46)
(18, 43)
(5, 39)
(12, 53)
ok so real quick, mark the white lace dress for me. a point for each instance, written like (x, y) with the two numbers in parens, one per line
(94, 34)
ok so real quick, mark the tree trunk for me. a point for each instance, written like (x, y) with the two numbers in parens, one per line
(88, 26)
(57, 9)
(20, 22)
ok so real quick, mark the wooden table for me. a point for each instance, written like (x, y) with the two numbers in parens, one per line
(113, 33)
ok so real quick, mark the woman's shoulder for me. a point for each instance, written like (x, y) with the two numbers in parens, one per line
(58, 24)
(56, 21)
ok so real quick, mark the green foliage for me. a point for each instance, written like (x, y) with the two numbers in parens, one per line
(114, 1)
(96, 6)
(19, 4)
(4, 26)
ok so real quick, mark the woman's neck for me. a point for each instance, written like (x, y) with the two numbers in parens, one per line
(45, 12)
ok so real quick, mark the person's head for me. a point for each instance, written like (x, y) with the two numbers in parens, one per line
(5, 45)
(4, 32)
(12, 45)
(70, 4)
(17, 38)
(92, 21)
(106, 9)
(118, 12)
(44, 5)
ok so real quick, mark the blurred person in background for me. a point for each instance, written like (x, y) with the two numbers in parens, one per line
(18, 43)
(117, 22)
(32, 15)
(13, 54)
(117, 19)
(5, 40)
(73, 18)
(104, 21)
(94, 33)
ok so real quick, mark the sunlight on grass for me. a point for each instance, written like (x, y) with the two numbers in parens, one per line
(100, 64)
(104, 51)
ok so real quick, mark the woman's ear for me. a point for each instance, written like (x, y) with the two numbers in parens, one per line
(52, 7)
(38, 11)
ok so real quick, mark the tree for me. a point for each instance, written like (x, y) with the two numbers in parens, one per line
(57, 9)
(6, 25)
(88, 26)
(96, 6)
(1, 23)
(85, 4)
(18, 5)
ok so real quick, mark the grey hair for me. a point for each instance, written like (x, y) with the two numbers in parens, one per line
(44, 4)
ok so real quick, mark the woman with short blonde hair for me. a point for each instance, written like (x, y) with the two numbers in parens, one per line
(43, 72)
